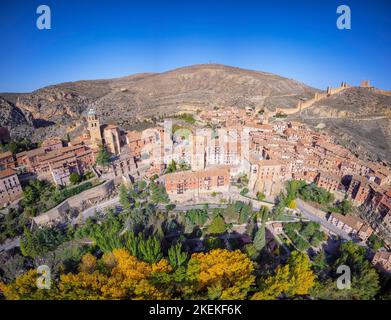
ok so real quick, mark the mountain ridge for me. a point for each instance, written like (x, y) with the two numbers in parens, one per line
(51, 110)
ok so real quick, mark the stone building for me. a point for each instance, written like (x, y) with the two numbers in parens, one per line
(93, 125)
(382, 261)
(328, 181)
(268, 176)
(10, 188)
(353, 226)
(112, 138)
(195, 183)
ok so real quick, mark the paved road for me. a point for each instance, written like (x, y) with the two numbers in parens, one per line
(184, 207)
(306, 212)
(90, 212)
(323, 222)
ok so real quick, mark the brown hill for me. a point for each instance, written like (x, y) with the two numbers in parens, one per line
(140, 95)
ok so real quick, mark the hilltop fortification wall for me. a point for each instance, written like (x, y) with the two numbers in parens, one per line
(301, 105)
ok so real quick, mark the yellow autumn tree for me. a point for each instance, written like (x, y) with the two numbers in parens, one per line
(228, 274)
(131, 278)
(294, 279)
(275, 285)
(88, 263)
(218, 274)
(25, 288)
(82, 286)
(302, 277)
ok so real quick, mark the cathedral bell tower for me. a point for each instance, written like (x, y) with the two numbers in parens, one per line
(94, 128)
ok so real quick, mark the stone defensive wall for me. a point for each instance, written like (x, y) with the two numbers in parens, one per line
(318, 96)
(56, 214)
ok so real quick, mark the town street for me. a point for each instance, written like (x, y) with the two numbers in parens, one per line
(311, 216)
(90, 212)
(324, 223)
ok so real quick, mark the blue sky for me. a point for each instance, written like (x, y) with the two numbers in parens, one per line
(106, 39)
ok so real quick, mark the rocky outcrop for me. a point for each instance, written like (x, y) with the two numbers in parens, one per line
(18, 122)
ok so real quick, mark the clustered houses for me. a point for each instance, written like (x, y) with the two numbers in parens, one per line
(56, 163)
(271, 154)
(351, 225)
(240, 140)
(131, 153)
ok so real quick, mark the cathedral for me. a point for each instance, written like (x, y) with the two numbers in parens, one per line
(107, 135)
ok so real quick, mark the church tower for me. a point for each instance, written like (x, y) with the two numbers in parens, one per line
(94, 128)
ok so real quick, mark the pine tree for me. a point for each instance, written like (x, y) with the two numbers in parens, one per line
(150, 250)
(103, 157)
(259, 239)
(176, 257)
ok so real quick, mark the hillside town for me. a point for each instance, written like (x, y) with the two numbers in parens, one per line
(211, 153)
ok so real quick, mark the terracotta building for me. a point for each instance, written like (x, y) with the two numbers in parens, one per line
(328, 181)
(215, 179)
(359, 189)
(51, 144)
(140, 142)
(29, 160)
(268, 176)
(7, 160)
(10, 188)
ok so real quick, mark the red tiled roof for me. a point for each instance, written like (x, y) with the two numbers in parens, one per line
(7, 173)
(5, 154)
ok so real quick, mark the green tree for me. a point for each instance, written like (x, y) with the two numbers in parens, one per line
(150, 250)
(244, 191)
(259, 239)
(375, 242)
(346, 206)
(105, 235)
(74, 178)
(124, 197)
(159, 194)
(252, 227)
(319, 262)
(172, 167)
(260, 196)
(365, 279)
(39, 242)
(314, 193)
(103, 157)
(176, 257)
(309, 229)
(212, 243)
(263, 213)
(218, 225)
